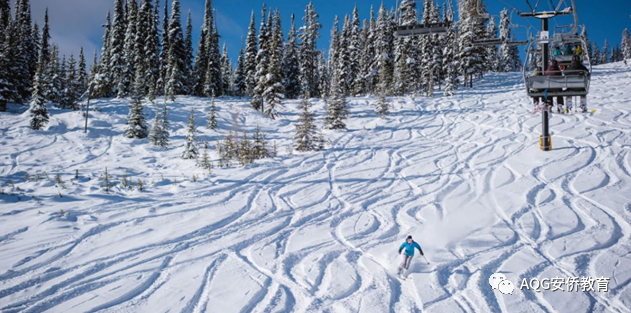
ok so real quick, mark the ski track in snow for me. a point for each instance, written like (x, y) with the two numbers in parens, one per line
(318, 232)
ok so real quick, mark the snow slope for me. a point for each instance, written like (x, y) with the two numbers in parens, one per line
(318, 232)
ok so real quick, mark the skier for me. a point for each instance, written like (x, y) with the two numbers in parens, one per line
(577, 69)
(579, 50)
(554, 70)
(408, 247)
(557, 51)
(567, 50)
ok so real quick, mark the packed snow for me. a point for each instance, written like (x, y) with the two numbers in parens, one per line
(319, 231)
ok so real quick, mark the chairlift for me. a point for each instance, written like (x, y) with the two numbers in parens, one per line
(408, 28)
(568, 84)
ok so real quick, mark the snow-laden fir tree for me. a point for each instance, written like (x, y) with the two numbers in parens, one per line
(156, 128)
(273, 93)
(323, 77)
(625, 45)
(384, 50)
(118, 64)
(130, 49)
(188, 56)
(450, 52)
(164, 52)
(344, 63)
(596, 54)
(176, 68)
(603, 58)
(515, 58)
(190, 147)
(212, 83)
(291, 64)
(251, 51)
(54, 85)
(72, 92)
(136, 123)
(505, 59)
(307, 137)
(337, 109)
(585, 37)
(308, 35)
(201, 58)
(240, 87)
(226, 72)
(149, 53)
(5, 85)
(437, 52)
(471, 27)
(493, 57)
(246, 155)
(38, 110)
(212, 115)
(367, 60)
(382, 106)
(354, 52)
(102, 86)
(159, 135)
(262, 61)
(259, 144)
(334, 47)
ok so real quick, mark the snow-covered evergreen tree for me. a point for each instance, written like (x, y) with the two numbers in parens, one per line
(136, 123)
(38, 110)
(344, 63)
(190, 147)
(159, 134)
(307, 135)
(585, 37)
(274, 90)
(251, 51)
(201, 58)
(212, 83)
(130, 50)
(471, 27)
(102, 86)
(603, 58)
(382, 106)
(596, 54)
(259, 144)
(149, 52)
(450, 52)
(240, 87)
(309, 34)
(117, 63)
(384, 50)
(176, 68)
(334, 47)
(337, 108)
(291, 64)
(226, 72)
(72, 92)
(354, 51)
(188, 56)
(262, 61)
(212, 116)
(625, 45)
(493, 56)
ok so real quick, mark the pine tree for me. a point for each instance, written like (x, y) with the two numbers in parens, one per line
(39, 112)
(291, 64)
(53, 87)
(471, 27)
(596, 54)
(384, 50)
(201, 58)
(163, 139)
(251, 51)
(309, 34)
(245, 151)
(334, 48)
(5, 85)
(149, 54)
(262, 62)
(226, 72)
(164, 53)
(156, 128)
(136, 124)
(603, 58)
(176, 70)
(190, 148)
(344, 63)
(259, 147)
(240, 87)
(212, 115)
(273, 92)
(101, 79)
(493, 55)
(212, 83)
(72, 92)
(337, 109)
(188, 59)
(625, 46)
(382, 106)
(117, 64)
(354, 52)
(130, 51)
(306, 136)
(367, 61)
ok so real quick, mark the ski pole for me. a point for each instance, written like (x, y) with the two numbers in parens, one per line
(425, 259)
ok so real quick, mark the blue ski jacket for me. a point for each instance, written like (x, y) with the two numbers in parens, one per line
(409, 248)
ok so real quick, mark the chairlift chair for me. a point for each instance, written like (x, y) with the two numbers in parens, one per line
(567, 85)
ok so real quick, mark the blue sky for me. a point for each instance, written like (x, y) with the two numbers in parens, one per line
(77, 23)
